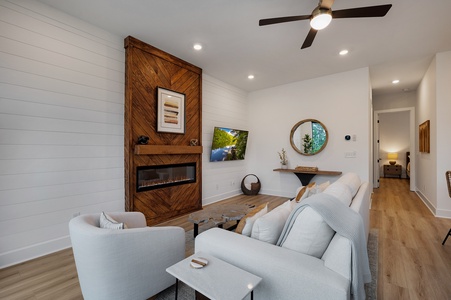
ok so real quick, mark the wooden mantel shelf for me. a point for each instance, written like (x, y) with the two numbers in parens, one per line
(166, 149)
(306, 176)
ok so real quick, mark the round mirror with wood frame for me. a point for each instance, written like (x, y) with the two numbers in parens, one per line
(309, 137)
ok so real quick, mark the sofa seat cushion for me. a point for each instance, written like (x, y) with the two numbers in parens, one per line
(310, 234)
(268, 227)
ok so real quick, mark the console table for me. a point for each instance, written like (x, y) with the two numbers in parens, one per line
(306, 176)
(395, 170)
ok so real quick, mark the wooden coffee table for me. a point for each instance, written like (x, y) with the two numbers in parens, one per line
(217, 280)
(219, 215)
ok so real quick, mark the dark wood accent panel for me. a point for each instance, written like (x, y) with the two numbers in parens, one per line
(148, 68)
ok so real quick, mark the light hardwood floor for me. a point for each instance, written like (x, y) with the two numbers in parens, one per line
(412, 262)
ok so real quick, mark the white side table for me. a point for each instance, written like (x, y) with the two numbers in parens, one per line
(218, 280)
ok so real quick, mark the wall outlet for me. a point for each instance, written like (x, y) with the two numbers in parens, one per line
(351, 154)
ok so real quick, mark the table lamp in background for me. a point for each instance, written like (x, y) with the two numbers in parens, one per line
(392, 156)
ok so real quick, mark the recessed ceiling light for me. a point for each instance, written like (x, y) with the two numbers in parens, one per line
(395, 81)
(197, 47)
(343, 52)
(251, 77)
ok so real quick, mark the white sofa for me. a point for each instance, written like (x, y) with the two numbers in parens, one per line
(124, 264)
(288, 274)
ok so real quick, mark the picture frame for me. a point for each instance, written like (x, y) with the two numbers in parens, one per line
(425, 136)
(170, 111)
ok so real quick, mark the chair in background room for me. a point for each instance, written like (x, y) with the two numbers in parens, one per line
(448, 181)
(124, 263)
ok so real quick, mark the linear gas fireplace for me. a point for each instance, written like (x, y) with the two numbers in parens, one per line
(156, 177)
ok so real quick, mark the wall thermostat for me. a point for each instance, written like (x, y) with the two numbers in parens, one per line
(347, 137)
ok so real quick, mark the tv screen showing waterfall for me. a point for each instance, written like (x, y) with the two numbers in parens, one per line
(228, 144)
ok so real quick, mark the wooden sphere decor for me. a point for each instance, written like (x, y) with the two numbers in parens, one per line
(255, 186)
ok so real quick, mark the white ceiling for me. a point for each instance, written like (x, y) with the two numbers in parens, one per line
(400, 45)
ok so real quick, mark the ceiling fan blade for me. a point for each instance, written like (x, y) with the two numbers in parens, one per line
(271, 21)
(362, 12)
(326, 3)
(309, 39)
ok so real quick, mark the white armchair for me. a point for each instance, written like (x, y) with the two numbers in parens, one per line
(124, 264)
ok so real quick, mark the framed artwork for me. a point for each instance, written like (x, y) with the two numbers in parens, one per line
(425, 139)
(170, 111)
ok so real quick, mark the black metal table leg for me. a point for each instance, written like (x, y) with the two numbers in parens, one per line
(305, 178)
(446, 237)
(196, 230)
(176, 288)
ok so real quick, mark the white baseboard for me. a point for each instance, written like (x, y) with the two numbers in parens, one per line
(220, 197)
(426, 201)
(28, 253)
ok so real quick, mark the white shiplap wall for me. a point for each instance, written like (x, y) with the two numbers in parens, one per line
(61, 126)
(227, 106)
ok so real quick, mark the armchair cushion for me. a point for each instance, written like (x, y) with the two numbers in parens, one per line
(107, 222)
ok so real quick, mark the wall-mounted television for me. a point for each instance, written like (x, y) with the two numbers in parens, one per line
(228, 144)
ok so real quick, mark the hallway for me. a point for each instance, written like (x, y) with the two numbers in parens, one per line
(412, 262)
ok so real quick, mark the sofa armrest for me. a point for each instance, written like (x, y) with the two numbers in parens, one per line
(286, 274)
(337, 256)
(361, 204)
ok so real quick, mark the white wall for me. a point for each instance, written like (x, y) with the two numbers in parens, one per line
(61, 126)
(226, 106)
(443, 131)
(394, 136)
(340, 101)
(427, 162)
(394, 100)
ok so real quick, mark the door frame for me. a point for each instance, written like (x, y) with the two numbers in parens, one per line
(413, 142)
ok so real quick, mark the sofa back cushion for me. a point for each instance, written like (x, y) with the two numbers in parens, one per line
(352, 181)
(310, 234)
(340, 191)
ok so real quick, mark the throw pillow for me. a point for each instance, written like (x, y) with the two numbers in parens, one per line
(107, 222)
(340, 191)
(304, 192)
(310, 234)
(319, 188)
(299, 192)
(246, 223)
(268, 227)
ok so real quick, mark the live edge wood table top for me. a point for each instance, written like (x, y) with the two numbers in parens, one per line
(306, 176)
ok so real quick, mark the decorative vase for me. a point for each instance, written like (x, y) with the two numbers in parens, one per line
(284, 166)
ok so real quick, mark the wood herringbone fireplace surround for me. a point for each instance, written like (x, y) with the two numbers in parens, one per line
(148, 68)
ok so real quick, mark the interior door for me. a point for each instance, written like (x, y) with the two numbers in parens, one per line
(376, 158)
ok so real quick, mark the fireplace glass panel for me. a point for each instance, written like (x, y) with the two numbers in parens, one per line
(155, 177)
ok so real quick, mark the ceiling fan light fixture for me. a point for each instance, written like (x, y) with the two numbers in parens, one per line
(321, 18)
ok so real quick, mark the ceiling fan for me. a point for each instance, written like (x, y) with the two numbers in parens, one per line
(322, 15)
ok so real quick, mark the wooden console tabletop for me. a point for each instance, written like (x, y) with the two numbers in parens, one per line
(306, 176)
